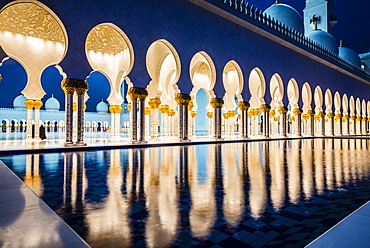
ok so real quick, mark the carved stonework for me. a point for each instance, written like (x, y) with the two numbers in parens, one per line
(202, 68)
(29, 19)
(229, 67)
(105, 39)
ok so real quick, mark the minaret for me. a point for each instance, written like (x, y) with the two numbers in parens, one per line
(321, 12)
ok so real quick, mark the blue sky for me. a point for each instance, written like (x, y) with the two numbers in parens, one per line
(353, 20)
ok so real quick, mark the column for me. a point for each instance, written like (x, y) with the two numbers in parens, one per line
(133, 93)
(265, 122)
(338, 124)
(183, 102)
(115, 111)
(68, 86)
(143, 93)
(217, 104)
(244, 106)
(81, 89)
(363, 126)
(210, 124)
(164, 109)
(154, 105)
(358, 125)
(321, 124)
(310, 123)
(272, 125)
(231, 123)
(352, 127)
(330, 124)
(29, 105)
(192, 123)
(283, 122)
(297, 122)
(37, 105)
(147, 112)
(171, 124)
(346, 120)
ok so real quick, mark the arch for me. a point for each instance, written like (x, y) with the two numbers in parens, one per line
(293, 93)
(276, 91)
(337, 102)
(345, 104)
(201, 119)
(233, 81)
(109, 51)
(363, 108)
(257, 88)
(202, 75)
(318, 99)
(358, 106)
(306, 97)
(42, 36)
(164, 68)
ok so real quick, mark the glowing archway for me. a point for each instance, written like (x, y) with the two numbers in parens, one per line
(233, 82)
(276, 91)
(293, 93)
(318, 99)
(306, 97)
(257, 88)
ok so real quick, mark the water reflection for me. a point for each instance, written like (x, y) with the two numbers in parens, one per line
(119, 196)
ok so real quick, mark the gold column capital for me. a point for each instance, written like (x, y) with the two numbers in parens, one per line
(68, 85)
(297, 111)
(272, 113)
(193, 114)
(164, 109)
(147, 111)
(115, 109)
(154, 103)
(226, 115)
(310, 112)
(191, 106)
(330, 115)
(243, 105)
(136, 93)
(38, 104)
(231, 113)
(210, 114)
(282, 110)
(182, 99)
(217, 102)
(338, 116)
(29, 103)
(265, 108)
(171, 112)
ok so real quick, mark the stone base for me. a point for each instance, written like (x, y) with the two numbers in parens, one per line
(68, 144)
(81, 143)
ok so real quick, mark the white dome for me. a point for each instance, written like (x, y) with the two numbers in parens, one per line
(52, 104)
(350, 55)
(287, 15)
(324, 39)
(102, 107)
(19, 102)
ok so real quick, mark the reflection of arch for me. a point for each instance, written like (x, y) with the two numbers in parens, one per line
(164, 68)
(40, 33)
(293, 93)
(318, 99)
(257, 88)
(110, 52)
(233, 81)
(203, 76)
(306, 97)
(337, 102)
(276, 91)
(345, 104)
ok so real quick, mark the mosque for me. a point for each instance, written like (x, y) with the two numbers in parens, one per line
(157, 70)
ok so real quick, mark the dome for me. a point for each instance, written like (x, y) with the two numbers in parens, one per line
(287, 15)
(102, 107)
(19, 102)
(324, 39)
(349, 55)
(52, 104)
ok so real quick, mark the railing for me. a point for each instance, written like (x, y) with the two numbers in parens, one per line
(254, 13)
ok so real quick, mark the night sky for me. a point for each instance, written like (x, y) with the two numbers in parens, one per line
(353, 20)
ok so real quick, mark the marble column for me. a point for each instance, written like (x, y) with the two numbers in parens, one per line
(29, 105)
(358, 125)
(352, 125)
(137, 95)
(192, 122)
(154, 105)
(338, 125)
(283, 122)
(164, 109)
(345, 124)
(171, 122)
(81, 89)
(330, 124)
(244, 106)
(297, 122)
(210, 123)
(272, 126)
(217, 104)
(183, 102)
(265, 122)
(321, 124)
(68, 86)
(115, 111)
(147, 112)
(141, 97)
(364, 126)
(310, 123)
(37, 105)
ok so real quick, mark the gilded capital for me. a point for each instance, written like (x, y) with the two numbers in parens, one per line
(231, 113)
(69, 86)
(217, 102)
(191, 106)
(115, 109)
(154, 103)
(226, 115)
(193, 114)
(137, 94)
(272, 113)
(282, 110)
(38, 104)
(330, 115)
(29, 103)
(129, 106)
(147, 111)
(210, 114)
(164, 109)
(81, 87)
(358, 118)
(310, 112)
(338, 116)
(321, 114)
(243, 105)
(265, 108)
(297, 111)
(182, 99)
(171, 112)
(364, 118)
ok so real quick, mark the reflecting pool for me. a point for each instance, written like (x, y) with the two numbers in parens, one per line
(253, 194)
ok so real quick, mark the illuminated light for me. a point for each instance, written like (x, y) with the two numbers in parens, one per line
(36, 42)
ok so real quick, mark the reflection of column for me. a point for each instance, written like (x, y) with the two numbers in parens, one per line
(164, 123)
(276, 164)
(294, 176)
(346, 160)
(307, 175)
(37, 105)
(319, 165)
(210, 124)
(265, 120)
(68, 86)
(32, 176)
(217, 104)
(244, 106)
(283, 122)
(115, 121)
(338, 125)
(29, 104)
(154, 104)
(338, 163)
(297, 122)
(257, 178)
(183, 102)
(233, 205)
(329, 173)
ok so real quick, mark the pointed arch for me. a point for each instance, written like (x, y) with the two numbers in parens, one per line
(306, 97)
(337, 102)
(293, 93)
(233, 81)
(276, 91)
(257, 88)
(318, 99)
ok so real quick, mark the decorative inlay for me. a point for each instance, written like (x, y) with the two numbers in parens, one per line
(105, 39)
(229, 67)
(29, 19)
